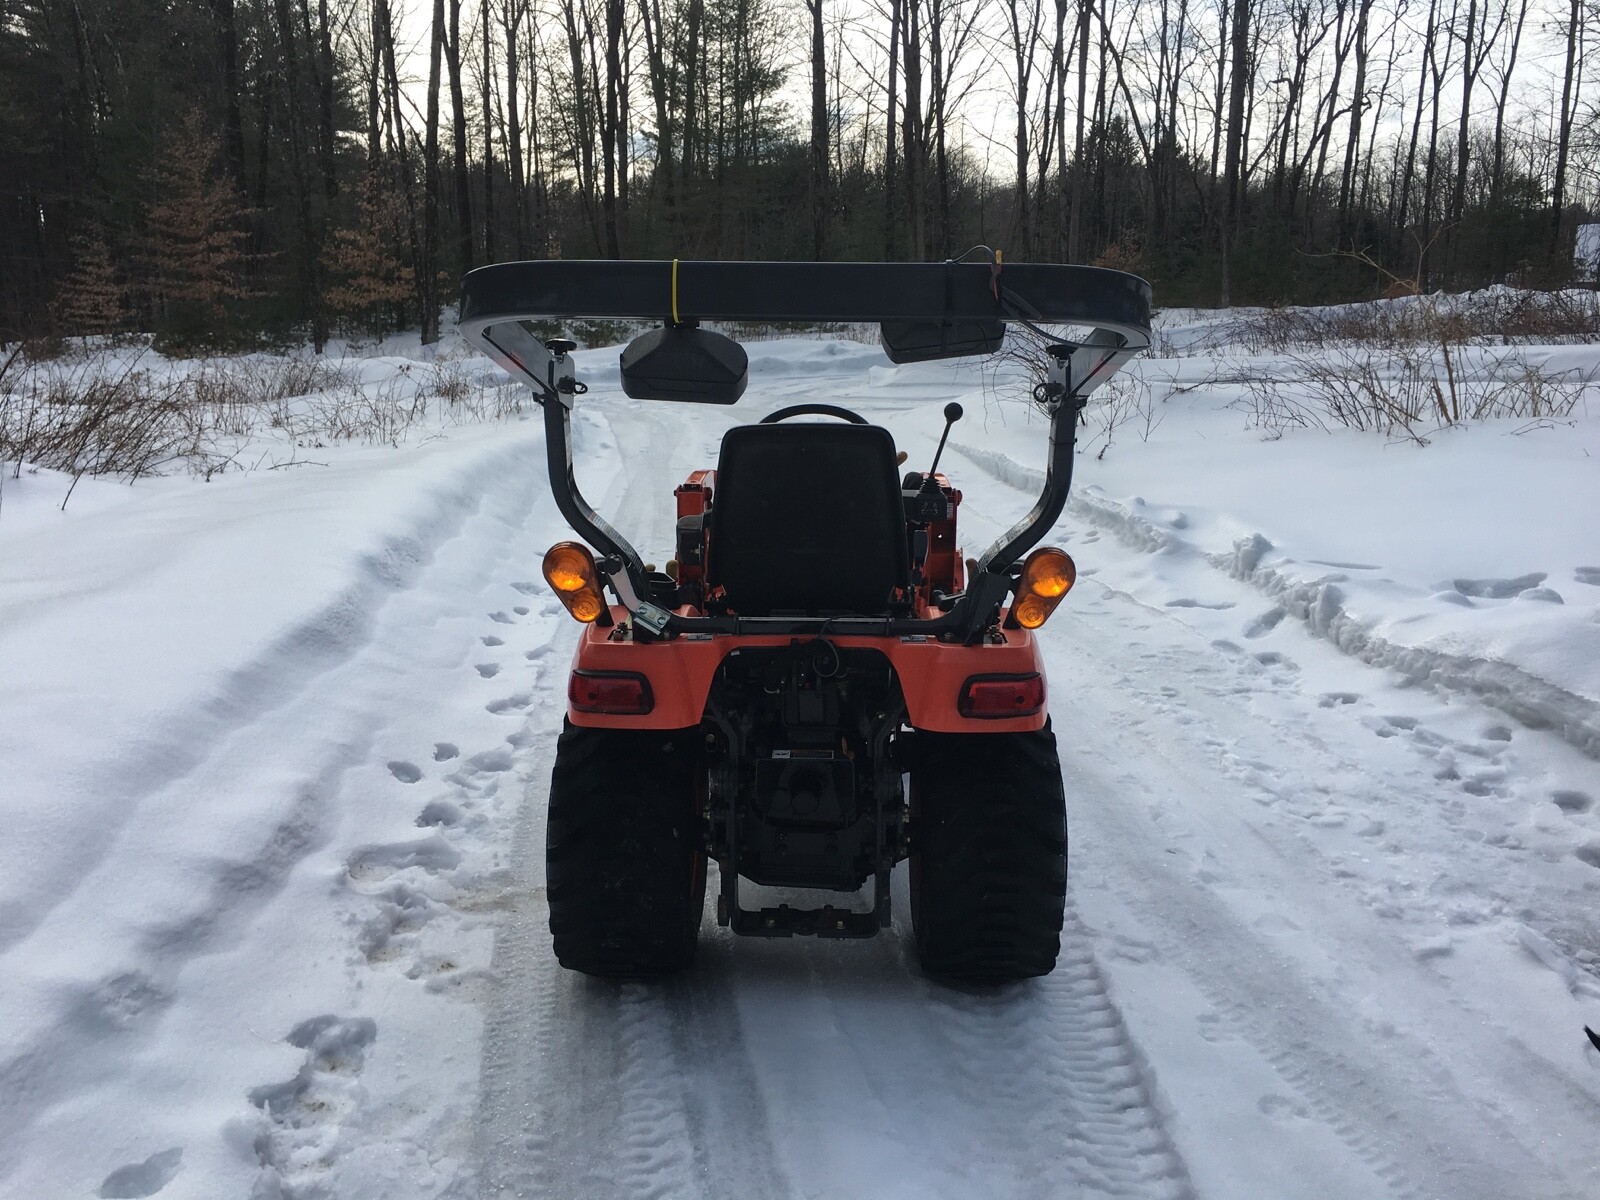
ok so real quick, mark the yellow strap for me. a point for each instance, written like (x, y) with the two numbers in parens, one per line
(675, 291)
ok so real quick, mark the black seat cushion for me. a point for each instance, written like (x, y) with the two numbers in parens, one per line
(807, 518)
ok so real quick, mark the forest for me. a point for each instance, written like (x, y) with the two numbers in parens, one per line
(230, 173)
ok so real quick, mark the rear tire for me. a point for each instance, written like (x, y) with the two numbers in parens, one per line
(625, 864)
(988, 855)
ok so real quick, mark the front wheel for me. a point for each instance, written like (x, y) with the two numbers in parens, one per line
(988, 855)
(625, 866)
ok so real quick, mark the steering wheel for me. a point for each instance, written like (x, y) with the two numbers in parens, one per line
(820, 410)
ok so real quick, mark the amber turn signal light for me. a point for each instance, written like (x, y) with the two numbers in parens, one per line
(1047, 576)
(569, 570)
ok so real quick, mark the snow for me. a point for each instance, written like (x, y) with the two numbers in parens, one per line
(274, 750)
(1586, 251)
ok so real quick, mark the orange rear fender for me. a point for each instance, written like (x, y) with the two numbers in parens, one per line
(931, 674)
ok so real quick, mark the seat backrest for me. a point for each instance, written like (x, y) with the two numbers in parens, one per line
(807, 519)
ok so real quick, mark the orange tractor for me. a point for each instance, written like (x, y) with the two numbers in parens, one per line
(818, 638)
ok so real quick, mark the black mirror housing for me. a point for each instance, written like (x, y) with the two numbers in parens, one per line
(686, 363)
(924, 341)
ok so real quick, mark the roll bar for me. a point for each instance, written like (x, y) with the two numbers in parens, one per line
(499, 301)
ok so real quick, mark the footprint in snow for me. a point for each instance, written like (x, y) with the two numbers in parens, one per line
(444, 751)
(1281, 1108)
(521, 610)
(490, 762)
(525, 587)
(509, 704)
(1589, 853)
(1330, 699)
(1571, 801)
(1264, 624)
(501, 618)
(123, 1001)
(1275, 923)
(488, 670)
(405, 772)
(143, 1178)
(491, 640)
(377, 862)
(1589, 575)
(439, 813)
(1496, 589)
(1497, 733)
(333, 1046)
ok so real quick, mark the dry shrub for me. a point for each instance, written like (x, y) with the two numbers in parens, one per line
(91, 420)
(449, 383)
(1407, 392)
(109, 415)
(1496, 316)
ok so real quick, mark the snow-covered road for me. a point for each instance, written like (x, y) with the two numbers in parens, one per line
(1331, 923)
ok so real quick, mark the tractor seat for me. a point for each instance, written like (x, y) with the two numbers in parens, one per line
(808, 520)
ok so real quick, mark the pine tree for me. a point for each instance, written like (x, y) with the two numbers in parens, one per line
(195, 235)
(90, 299)
(371, 282)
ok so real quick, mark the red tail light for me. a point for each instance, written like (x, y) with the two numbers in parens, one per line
(992, 697)
(614, 693)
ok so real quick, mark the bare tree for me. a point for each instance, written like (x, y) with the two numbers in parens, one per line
(819, 132)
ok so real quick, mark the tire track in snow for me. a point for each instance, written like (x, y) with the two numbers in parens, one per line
(1051, 1064)
(1369, 1075)
(596, 1095)
(595, 1088)
(324, 638)
(283, 776)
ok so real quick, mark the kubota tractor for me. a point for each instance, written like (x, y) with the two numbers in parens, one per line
(817, 638)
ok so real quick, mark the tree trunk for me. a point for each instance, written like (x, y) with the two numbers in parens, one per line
(819, 133)
(889, 240)
(693, 70)
(1022, 51)
(611, 143)
(511, 17)
(911, 128)
(1238, 85)
(1497, 172)
(1358, 102)
(375, 88)
(1075, 220)
(465, 237)
(1416, 120)
(1558, 193)
(307, 243)
(232, 121)
(488, 140)
(427, 271)
(661, 94)
(325, 140)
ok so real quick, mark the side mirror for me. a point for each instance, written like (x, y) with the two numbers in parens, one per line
(923, 341)
(685, 362)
